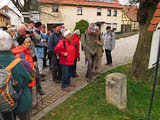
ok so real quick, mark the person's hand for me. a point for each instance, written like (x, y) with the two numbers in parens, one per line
(44, 40)
(27, 35)
(65, 54)
(15, 83)
(96, 41)
(35, 64)
(78, 59)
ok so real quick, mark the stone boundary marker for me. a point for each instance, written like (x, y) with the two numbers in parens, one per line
(116, 90)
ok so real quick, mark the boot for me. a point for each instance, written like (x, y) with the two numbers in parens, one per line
(41, 92)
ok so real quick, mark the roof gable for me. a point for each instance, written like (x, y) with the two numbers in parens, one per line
(8, 8)
(4, 14)
(131, 12)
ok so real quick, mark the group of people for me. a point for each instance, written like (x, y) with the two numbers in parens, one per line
(32, 44)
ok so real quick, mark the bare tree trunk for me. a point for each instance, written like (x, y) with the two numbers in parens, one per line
(141, 56)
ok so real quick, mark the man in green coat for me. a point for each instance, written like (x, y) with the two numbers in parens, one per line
(23, 109)
(90, 48)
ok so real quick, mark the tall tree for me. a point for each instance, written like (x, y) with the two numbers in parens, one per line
(141, 56)
(22, 6)
(26, 6)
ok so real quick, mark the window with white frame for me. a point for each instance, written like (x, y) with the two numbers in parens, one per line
(79, 10)
(114, 26)
(54, 8)
(109, 12)
(98, 11)
(108, 24)
(6, 10)
(115, 13)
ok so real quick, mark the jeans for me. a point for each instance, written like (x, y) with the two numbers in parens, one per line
(74, 67)
(38, 79)
(90, 60)
(50, 59)
(56, 69)
(66, 73)
(108, 56)
(40, 65)
(44, 59)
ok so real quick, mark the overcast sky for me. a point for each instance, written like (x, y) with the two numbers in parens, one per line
(8, 2)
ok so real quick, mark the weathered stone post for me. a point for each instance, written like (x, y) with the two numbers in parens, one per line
(116, 90)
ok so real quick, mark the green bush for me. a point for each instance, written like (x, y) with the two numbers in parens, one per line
(82, 25)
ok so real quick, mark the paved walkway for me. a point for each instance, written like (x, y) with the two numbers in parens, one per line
(123, 53)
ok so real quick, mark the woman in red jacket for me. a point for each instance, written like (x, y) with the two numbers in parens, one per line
(66, 51)
(76, 38)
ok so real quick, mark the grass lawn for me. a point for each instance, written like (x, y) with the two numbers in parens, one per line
(90, 103)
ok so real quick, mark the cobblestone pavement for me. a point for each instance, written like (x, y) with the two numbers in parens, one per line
(123, 53)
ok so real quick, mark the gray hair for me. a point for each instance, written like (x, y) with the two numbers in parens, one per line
(77, 32)
(5, 41)
(11, 30)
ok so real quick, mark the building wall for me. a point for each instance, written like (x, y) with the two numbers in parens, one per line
(15, 19)
(3, 20)
(68, 16)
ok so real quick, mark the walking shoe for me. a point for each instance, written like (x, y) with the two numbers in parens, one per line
(75, 75)
(72, 85)
(89, 79)
(45, 66)
(67, 89)
(57, 81)
(42, 75)
(41, 92)
(110, 64)
(43, 79)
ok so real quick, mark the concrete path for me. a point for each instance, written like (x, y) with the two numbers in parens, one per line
(123, 53)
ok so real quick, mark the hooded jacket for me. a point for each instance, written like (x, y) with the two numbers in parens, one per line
(109, 40)
(65, 46)
(76, 38)
(24, 53)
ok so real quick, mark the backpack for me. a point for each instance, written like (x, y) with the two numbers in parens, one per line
(8, 95)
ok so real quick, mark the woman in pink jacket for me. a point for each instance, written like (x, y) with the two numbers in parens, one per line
(66, 51)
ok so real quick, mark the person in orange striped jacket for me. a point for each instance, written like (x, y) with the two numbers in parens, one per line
(23, 52)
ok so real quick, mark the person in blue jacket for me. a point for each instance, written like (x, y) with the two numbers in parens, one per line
(52, 42)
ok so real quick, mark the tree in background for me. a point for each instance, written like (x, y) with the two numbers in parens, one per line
(26, 5)
(141, 56)
(82, 25)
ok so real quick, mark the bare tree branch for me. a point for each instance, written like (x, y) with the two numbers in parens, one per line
(17, 4)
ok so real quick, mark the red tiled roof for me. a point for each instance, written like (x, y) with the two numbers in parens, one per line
(131, 12)
(4, 14)
(116, 4)
(6, 7)
(155, 20)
